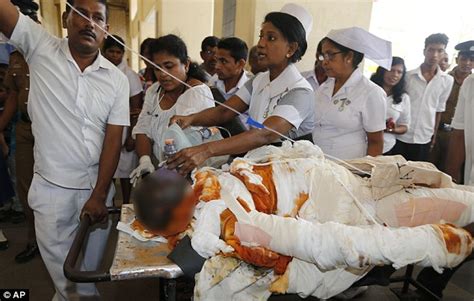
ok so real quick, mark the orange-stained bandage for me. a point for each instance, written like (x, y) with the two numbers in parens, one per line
(207, 186)
(265, 199)
(258, 256)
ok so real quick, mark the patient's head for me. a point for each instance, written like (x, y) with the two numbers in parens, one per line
(164, 202)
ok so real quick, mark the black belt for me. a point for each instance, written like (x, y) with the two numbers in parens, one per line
(25, 117)
(445, 127)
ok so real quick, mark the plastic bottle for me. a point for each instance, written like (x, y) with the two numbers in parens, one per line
(170, 149)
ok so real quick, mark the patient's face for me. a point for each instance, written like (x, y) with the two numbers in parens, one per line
(165, 202)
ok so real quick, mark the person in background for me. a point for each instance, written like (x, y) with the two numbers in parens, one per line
(147, 75)
(461, 142)
(208, 55)
(6, 188)
(255, 66)
(398, 102)
(444, 62)
(464, 65)
(350, 109)
(429, 88)
(17, 82)
(114, 52)
(317, 76)
(231, 76)
(279, 98)
(167, 97)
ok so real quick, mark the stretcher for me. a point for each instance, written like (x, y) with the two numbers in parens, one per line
(134, 259)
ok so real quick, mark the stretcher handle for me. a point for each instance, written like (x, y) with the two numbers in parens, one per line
(69, 268)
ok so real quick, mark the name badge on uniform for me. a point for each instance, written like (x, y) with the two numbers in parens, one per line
(343, 102)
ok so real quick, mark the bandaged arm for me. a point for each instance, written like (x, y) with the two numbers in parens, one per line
(332, 245)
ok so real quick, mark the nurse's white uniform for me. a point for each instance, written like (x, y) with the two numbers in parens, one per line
(153, 120)
(128, 160)
(288, 96)
(400, 114)
(343, 120)
(463, 120)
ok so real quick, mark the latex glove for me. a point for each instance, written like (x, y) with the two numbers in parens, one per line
(145, 166)
(207, 244)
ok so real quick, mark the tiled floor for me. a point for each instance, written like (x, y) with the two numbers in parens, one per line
(33, 275)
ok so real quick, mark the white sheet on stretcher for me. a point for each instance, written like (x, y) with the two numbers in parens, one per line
(127, 228)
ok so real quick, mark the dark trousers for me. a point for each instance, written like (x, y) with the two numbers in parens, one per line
(412, 152)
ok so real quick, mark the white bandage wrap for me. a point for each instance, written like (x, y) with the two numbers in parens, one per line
(332, 245)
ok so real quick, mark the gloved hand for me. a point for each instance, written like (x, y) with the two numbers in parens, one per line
(207, 244)
(145, 166)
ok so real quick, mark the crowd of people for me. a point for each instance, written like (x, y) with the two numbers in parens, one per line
(74, 116)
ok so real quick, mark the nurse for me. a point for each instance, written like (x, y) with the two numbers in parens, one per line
(350, 109)
(166, 98)
(280, 98)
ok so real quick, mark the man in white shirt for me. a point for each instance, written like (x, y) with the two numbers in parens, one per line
(78, 105)
(429, 89)
(231, 58)
(317, 76)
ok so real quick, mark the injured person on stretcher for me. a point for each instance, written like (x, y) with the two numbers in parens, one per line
(288, 220)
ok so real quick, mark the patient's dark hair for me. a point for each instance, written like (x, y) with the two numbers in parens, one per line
(156, 197)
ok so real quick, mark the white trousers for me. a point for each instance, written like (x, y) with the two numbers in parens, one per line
(57, 212)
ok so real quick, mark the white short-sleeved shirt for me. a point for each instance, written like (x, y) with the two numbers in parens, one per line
(69, 108)
(153, 120)
(343, 120)
(288, 96)
(400, 113)
(426, 100)
(464, 120)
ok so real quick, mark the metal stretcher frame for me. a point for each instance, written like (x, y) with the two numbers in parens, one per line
(133, 259)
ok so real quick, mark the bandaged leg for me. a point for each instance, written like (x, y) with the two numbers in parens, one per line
(333, 245)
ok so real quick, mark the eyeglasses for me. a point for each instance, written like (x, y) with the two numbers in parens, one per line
(328, 56)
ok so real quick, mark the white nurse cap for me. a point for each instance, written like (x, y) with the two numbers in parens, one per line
(301, 14)
(374, 48)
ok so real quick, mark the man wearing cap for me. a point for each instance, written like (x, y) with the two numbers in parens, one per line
(17, 82)
(78, 106)
(428, 88)
(465, 63)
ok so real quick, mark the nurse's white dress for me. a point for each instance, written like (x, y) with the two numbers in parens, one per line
(288, 96)
(343, 120)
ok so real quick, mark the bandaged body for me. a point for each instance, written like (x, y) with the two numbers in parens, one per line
(333, 242)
